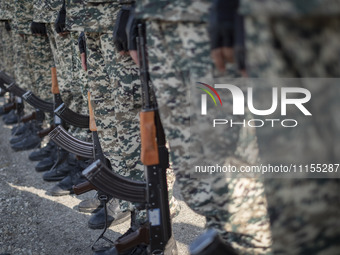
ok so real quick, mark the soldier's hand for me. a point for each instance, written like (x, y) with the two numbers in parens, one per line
(38, 28)
(222, 32)
(132, 33)
(119, 31)
(60, 21)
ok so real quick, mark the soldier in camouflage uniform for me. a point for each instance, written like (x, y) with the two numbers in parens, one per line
(6, 35)
(35, 50)
(299, 39)
(179, 56)
(61, 45)
(115, 88)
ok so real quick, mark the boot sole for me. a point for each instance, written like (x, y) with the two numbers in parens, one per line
(89, 210)
(64, 193)
(54, 179)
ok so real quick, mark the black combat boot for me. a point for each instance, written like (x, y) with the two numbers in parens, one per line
(43, 152)
(57, 155)
(210, 242)
(60, 171)
(65, 186)
(91, 205)
(115, 216)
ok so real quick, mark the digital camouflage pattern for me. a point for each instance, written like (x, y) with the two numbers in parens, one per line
(37, 52)
(304, 213)
(42, 61)
(22, 72)
(174, 10)
(6, 11)
(23, 16)
(46, 11)
(70, 89)
(290, 8)
(178, 56)
(100, 17)
(114, 82)
(75, 15)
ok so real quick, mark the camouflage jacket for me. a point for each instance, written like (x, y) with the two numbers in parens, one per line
(293, 8)
(75, 15)
(174, 10)
(6, 9)
(46, 11)
(100, 15)
(23, 16)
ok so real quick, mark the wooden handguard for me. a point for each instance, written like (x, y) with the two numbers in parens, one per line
(149, 152)
(93, 126)
(55, 87)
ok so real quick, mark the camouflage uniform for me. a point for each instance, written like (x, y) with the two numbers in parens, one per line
(115, 84)
(105, 83)
(35, 65)
(298, 39)
(46, 11)
(7, 40)
(179, 56)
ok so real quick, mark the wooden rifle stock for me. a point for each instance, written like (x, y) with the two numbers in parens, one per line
(140, 236)
(45, 131)
(83, 188)
(10, 106)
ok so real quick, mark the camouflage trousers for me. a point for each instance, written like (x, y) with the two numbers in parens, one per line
(23, 72)
(179, 56)
(7, 50)
(79, 81)
(41, 62)
(304, 215)
(61, 48)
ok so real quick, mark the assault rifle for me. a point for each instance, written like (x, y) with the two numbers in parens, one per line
(153, 193)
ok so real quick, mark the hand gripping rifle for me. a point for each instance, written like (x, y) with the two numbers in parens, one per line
(153, 193)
